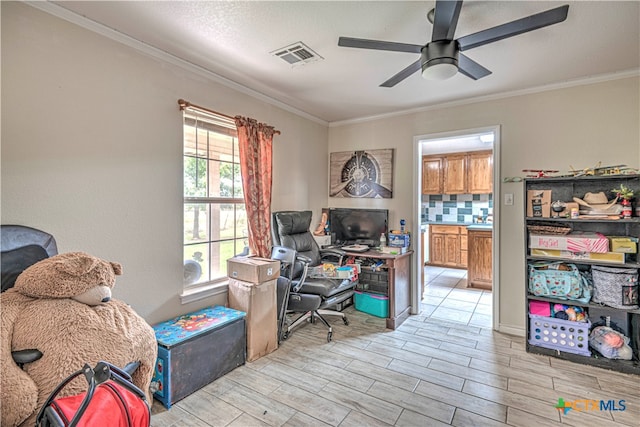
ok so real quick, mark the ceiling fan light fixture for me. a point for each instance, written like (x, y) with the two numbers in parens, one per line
(439, 60)
(440, 69)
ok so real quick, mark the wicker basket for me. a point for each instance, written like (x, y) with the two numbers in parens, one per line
(548, 229)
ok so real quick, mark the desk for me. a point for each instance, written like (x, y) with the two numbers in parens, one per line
(399, 268)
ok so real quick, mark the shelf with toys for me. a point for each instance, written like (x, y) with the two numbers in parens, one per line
(582, 267)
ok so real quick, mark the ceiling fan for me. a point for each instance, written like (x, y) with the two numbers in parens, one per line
(441, 58)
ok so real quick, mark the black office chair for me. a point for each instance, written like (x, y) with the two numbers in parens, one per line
(311, 296)
(21, 247)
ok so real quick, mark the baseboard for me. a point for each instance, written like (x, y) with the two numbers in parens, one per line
(511, 330)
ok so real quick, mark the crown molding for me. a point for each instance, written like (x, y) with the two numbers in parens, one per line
(537, 89)
(67, 15)
(96, 27)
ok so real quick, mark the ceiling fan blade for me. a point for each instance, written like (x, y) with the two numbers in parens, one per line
(513, 28)
(471, 68)
(445, 19)
(379, 45)
(402, 75)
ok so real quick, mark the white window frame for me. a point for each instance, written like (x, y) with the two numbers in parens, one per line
(202, 125)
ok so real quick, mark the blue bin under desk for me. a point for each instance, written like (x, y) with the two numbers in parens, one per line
(375, 304)
(197, 348)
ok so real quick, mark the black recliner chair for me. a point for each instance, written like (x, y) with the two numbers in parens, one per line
(311, 296)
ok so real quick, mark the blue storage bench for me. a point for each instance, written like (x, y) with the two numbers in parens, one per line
(197, 348)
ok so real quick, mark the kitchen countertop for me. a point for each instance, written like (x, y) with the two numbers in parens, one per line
(480, 227)
(469, 225)
(446, 223)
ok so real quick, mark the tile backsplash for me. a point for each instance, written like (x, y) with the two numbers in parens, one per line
(455, 207)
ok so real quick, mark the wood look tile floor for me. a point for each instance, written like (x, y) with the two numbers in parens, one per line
(436, 369)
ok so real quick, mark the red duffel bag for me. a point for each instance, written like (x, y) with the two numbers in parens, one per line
(111, 400)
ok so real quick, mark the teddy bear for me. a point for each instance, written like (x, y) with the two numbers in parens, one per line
(62, 307)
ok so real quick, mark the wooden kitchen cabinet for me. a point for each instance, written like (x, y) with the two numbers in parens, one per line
(458, 173)
(463, 247)
(480, 172)
(436, 248)
(432, 173)
(455, 174)
(445, 246)
(479, 271)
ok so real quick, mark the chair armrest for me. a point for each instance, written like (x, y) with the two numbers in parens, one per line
(303, 259)
(334, 254)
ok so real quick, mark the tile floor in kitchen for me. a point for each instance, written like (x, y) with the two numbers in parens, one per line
(445, 366)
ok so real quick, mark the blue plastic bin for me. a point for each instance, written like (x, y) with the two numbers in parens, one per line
(377, 305)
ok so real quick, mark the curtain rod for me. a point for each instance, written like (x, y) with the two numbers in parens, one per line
(186, 104)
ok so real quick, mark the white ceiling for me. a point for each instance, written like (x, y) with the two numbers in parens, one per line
(234, 39)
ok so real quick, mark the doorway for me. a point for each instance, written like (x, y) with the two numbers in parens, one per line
(443, 290)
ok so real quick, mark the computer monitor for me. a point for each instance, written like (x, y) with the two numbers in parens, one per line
(357, 226)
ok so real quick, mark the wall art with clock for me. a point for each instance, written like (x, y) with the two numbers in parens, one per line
(361, 174)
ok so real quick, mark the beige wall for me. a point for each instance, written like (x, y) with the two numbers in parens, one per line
(578, 126)
(92, 143)
(91, 151)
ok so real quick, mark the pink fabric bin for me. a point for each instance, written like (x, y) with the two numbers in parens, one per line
(540, 308)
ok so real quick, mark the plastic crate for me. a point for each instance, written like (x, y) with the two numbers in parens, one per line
(374, 281)
(558, 334)
(377, 305)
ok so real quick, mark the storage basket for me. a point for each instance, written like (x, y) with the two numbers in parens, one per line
(374, 281)
(558, 334)
(548, 229)
(615, 287)
(377, 305)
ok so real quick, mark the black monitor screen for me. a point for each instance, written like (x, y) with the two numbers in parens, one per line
(357, 226)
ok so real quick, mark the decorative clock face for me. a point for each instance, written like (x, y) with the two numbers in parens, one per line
(360, 173)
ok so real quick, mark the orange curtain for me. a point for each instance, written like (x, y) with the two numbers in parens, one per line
(255, 141)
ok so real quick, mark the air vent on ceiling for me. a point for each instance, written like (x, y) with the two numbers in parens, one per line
(297, 54)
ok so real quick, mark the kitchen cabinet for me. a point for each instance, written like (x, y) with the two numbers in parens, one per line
(540, 328)
(458, 173)
(432, 173)
(480, 172)
(464, 258)
(455, 174)
(479, 270)
(445, 246)
(436, 248)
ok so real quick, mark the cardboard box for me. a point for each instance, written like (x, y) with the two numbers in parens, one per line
(612, 257)
(539, 203)
(258, 301)
(624, 244)
(253, 269)
(577, 241)
(399, 240)
(393, 250)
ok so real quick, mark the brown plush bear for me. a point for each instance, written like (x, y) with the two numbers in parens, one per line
(62, 307)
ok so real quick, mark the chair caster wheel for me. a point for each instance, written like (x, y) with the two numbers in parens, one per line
(285, 336)
(329, 335)
(346, 321)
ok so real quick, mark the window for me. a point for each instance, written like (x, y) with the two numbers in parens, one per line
(215, 220)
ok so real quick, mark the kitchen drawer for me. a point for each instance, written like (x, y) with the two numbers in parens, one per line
(445, 229)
